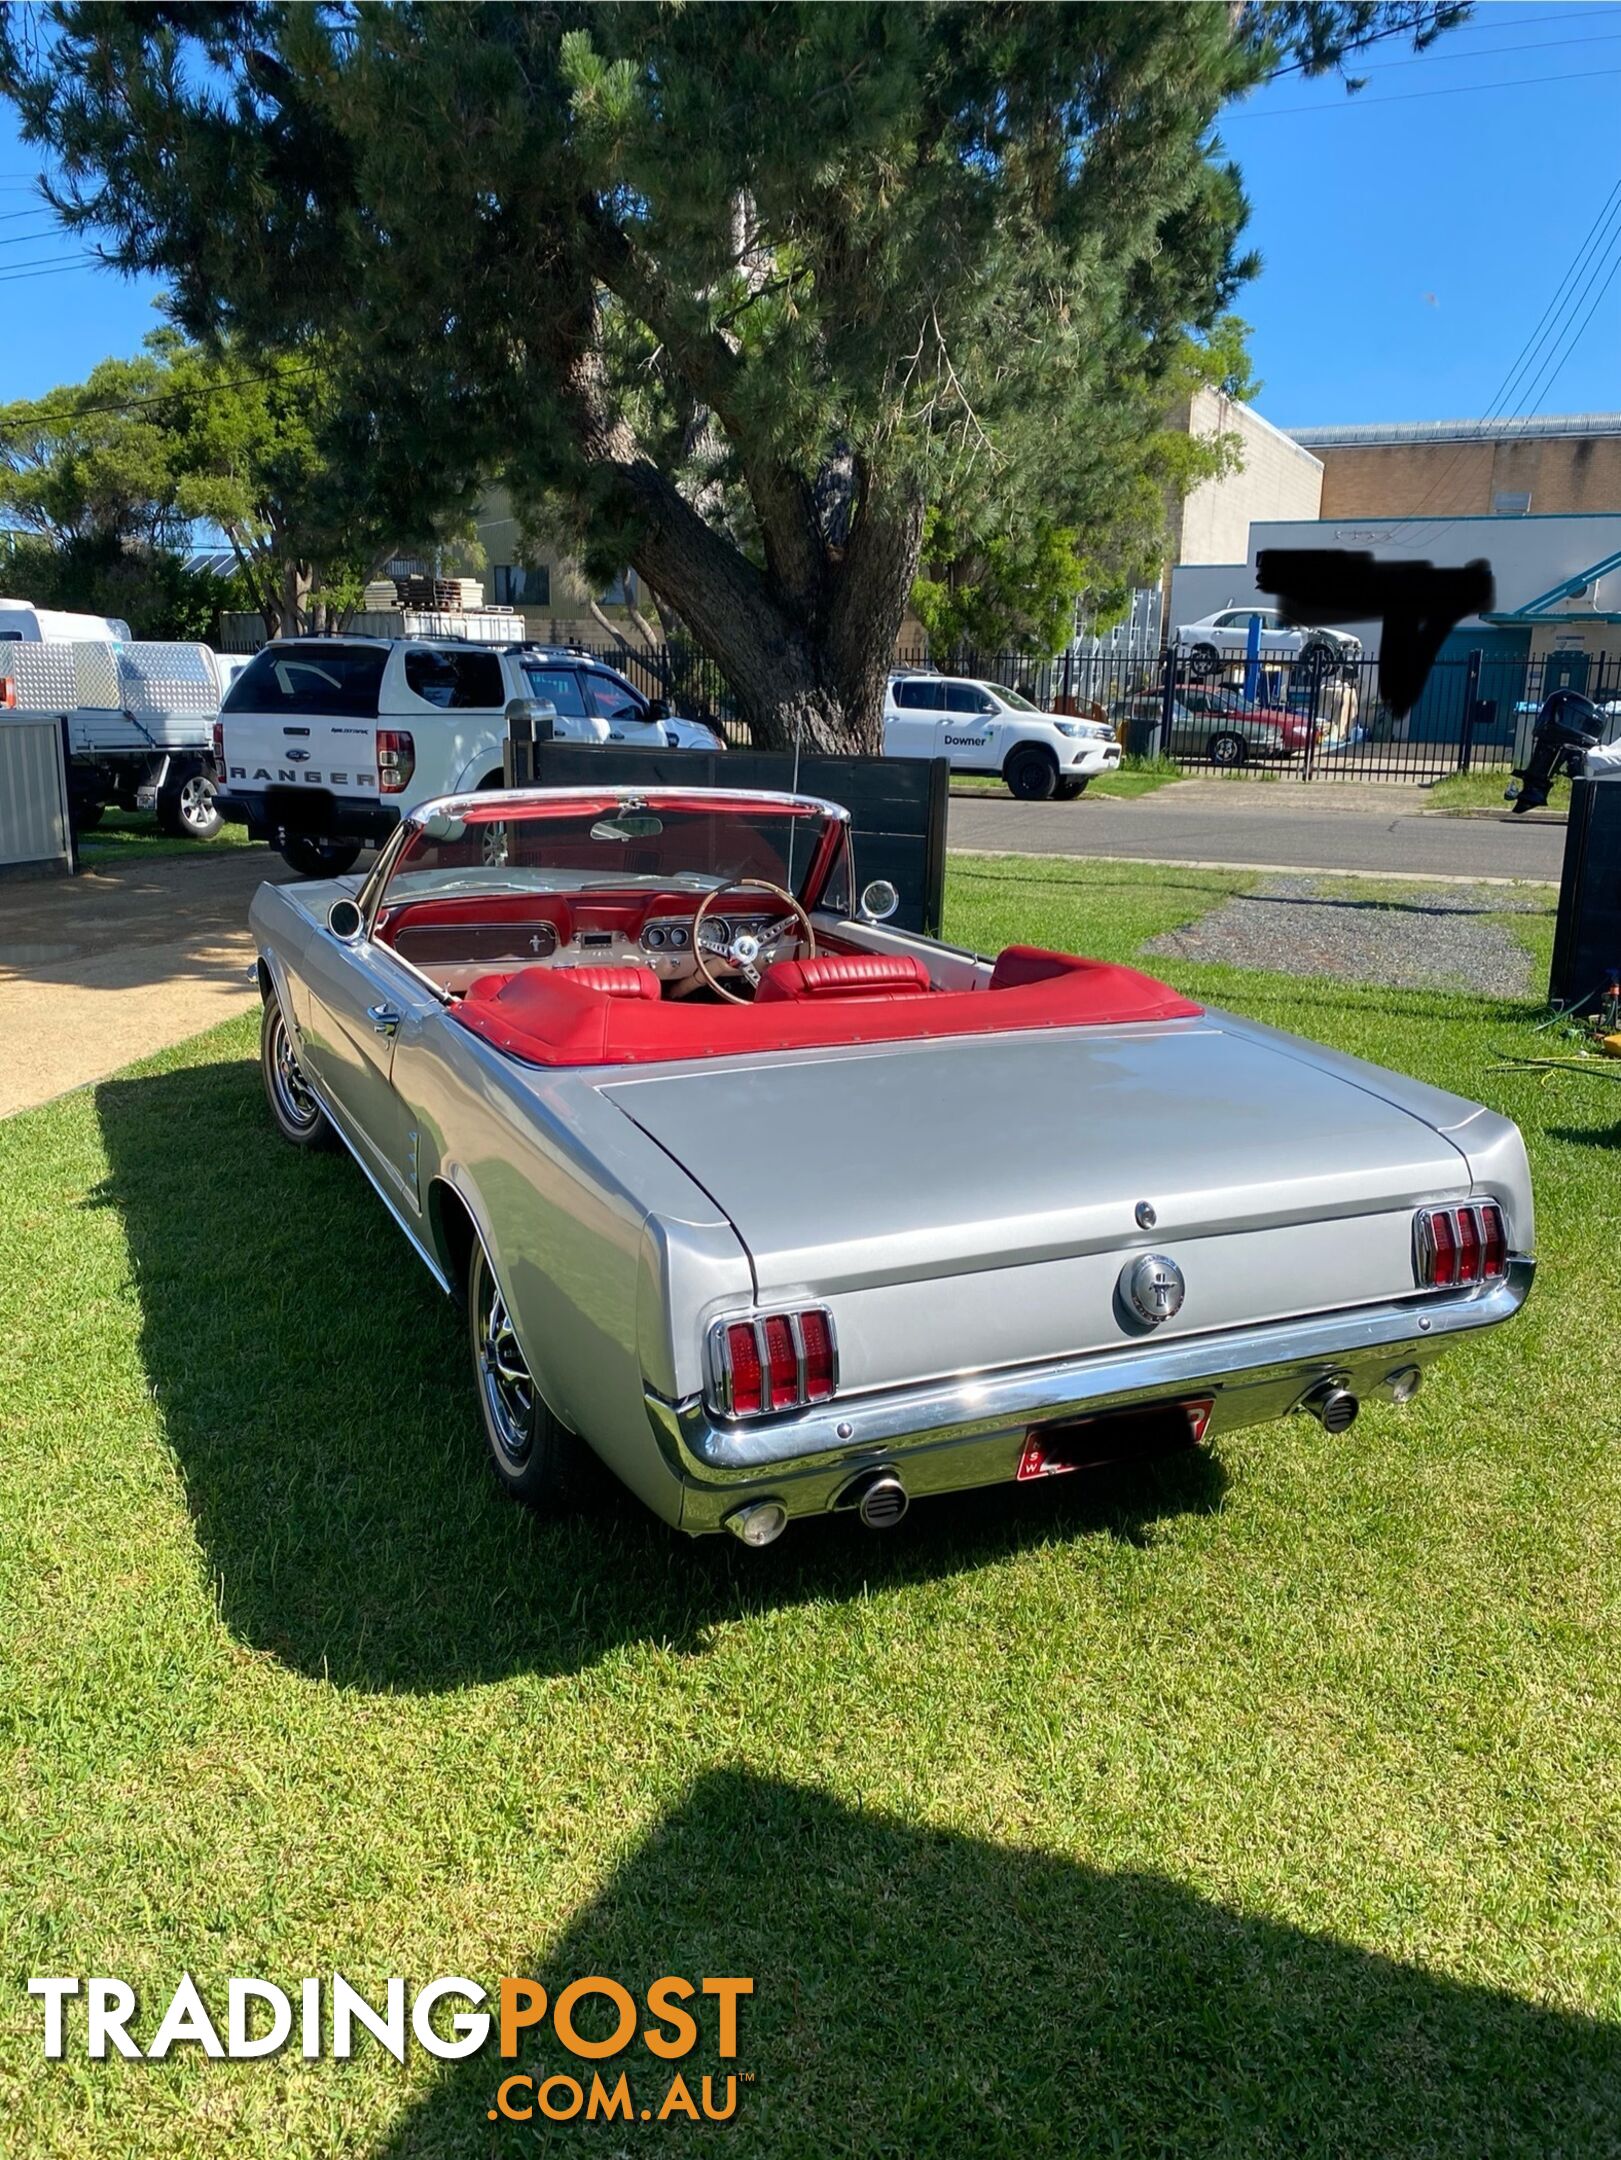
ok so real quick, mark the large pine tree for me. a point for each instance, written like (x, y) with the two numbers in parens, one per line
(726, 293)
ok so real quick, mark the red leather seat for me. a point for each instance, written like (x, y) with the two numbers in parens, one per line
(614, 982)
(844, 975)
(617, 982)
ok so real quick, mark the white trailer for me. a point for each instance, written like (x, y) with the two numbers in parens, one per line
(139, 722)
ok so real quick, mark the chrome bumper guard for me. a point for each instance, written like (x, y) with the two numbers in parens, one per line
(969, 1430)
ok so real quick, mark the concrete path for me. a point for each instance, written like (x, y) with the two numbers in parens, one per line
(120, 962)
(1269, 827)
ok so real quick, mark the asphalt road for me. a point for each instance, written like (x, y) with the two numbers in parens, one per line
(1159, 828)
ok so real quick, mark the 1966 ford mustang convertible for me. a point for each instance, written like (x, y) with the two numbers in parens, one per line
(779, 1209)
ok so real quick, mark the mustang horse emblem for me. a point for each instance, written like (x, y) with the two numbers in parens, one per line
(1153, 1287)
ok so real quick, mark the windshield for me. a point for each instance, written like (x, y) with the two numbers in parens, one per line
(613, 847)
(1013, 698)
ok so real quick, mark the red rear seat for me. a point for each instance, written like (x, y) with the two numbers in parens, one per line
(844, 975)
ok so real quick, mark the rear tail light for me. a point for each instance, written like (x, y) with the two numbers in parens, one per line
(219, 748)
(8, 692)
(396, 760)
(1455, 1246)
(780, 1361)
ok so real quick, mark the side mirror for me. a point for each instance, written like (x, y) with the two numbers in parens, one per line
(879, 900)
(345, 921)
(659, 709)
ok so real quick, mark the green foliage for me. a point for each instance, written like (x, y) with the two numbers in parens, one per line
(150, 588)
(727, 294)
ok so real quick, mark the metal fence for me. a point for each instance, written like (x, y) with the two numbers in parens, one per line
(1305, 718)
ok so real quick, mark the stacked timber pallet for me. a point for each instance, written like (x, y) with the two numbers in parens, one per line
(437, 594)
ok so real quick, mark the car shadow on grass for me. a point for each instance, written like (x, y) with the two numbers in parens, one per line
(920, 1992)
(316, 1389)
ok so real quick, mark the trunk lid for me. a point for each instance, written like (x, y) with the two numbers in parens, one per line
(972, 1201)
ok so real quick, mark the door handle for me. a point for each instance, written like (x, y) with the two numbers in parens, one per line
(384, 1019)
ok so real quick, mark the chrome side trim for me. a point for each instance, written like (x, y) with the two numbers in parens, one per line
(974, 1406)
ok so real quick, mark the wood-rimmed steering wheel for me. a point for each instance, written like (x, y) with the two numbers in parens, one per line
(744, 947)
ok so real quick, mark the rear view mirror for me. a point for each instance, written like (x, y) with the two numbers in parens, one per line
(627, 828)
(879, 900)
(345, 921)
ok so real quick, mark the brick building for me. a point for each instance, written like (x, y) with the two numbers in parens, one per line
(1563, 465)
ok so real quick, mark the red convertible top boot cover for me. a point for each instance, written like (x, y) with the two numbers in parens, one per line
(548, 1016)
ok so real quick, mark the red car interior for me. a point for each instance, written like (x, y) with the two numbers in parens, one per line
(586, 1016)
(844, 975)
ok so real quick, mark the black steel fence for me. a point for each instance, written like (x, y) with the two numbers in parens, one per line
(1307, 716)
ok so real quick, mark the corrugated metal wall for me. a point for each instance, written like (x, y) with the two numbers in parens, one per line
(33, 795)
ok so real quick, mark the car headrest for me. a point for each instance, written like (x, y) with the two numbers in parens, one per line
(844, 975)
(617, 982)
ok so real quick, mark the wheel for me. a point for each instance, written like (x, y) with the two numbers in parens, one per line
(86, 815)
(1031, 775)
(299, 1117)
(186, 805)
(318, 858)
(536, 1459)
(1203, 660)
(1227, 750)
(1070, 790)
(1329, 654)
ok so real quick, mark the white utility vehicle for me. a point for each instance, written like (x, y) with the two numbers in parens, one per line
(21, 623)
(323, 744)
(139, 721)
(982, 727)
(1222, 640)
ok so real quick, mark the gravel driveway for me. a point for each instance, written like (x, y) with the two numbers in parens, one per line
(1430, 938)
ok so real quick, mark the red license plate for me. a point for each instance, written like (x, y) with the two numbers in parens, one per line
(1113, 1436)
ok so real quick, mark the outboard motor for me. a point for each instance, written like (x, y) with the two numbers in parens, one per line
(1568, 726)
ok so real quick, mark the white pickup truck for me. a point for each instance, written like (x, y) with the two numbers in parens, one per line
(983, 727)
(322, 744)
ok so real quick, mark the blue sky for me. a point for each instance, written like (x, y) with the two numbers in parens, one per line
(1411, 237)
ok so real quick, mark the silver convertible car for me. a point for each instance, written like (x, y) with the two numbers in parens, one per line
(778, 1209)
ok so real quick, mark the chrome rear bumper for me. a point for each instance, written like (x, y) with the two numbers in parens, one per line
(969, 1430)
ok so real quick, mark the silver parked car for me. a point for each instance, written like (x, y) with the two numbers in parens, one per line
(779, 1209)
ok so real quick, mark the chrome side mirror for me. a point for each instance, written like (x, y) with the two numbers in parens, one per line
(345, 921)
(879, 900)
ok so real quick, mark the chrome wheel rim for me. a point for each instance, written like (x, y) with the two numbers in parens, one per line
(197, 802)
(293, 1098)
(509, 1392)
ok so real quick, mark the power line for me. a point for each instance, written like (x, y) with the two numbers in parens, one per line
(16, 277)
(1407, 97)
(161, 397)
(1493, 52)
(31, 239)
(41, 262)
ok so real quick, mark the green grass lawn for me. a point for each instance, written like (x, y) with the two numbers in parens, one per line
(124, 835)
(1483, 791)
(1133, 776)
(1260, 1804)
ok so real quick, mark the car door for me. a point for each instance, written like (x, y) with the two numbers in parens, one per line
(1278, 640)
(362, 1003)
(624, 708)
(969, 728)
(911, 724)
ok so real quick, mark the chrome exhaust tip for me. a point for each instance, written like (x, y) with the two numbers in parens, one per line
(883, 1501)
(762, 1522)
(1334, 1408)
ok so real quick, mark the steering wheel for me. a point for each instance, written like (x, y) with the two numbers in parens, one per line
(743, 948)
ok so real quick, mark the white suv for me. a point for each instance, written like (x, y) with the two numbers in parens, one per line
(983, 727)
(322, 744)
(1217, 641)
